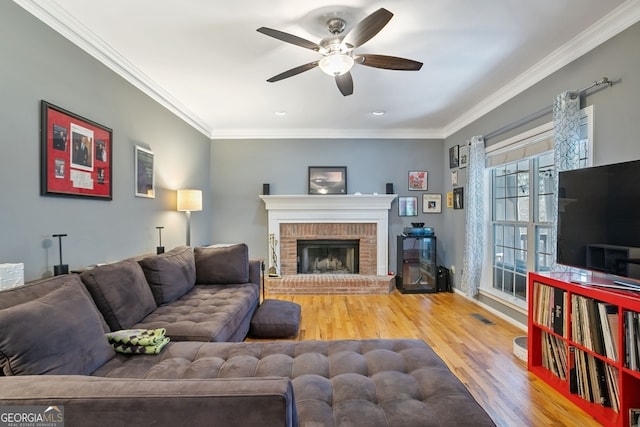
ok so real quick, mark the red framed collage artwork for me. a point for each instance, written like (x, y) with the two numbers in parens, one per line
(76, 155)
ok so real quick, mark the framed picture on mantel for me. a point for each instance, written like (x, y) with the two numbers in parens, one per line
(327, 180)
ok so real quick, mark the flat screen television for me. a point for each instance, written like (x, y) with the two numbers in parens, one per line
(599, 219)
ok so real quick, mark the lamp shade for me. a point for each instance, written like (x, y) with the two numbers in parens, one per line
(189, 200)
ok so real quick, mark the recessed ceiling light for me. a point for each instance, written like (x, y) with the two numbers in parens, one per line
(377, 113)
(280, 113)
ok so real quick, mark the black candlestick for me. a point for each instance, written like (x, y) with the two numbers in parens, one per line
(160, 248)
(60, 268)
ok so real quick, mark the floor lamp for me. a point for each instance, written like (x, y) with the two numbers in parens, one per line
(189, 201)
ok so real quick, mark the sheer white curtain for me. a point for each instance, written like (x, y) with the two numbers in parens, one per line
(475, 222)
(566, 134)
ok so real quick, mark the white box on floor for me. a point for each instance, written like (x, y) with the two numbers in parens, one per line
(11, 275)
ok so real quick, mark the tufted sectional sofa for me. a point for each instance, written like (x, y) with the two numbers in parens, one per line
(196, 294)
(53, 352)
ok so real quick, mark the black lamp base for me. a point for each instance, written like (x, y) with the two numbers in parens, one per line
(60, 269)
(159, 250)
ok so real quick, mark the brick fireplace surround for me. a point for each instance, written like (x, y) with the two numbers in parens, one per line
(349, 217)
(290, 233)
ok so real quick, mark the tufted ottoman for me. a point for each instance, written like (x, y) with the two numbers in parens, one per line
(275, 319)
(348, 383)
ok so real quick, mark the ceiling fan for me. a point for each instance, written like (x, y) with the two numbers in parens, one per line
(337, 50)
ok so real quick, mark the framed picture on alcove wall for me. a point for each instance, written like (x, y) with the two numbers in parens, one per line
(454, 153)
(458, 198)
(408, 206)
(431, 203)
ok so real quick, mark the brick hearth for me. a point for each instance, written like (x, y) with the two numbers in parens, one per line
(330, 284)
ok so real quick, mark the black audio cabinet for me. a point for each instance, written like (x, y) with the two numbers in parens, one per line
(417, 268)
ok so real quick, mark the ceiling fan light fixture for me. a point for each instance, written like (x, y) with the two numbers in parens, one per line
(337, 50)
(336, 64)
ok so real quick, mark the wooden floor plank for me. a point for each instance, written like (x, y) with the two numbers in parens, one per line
(478, 353)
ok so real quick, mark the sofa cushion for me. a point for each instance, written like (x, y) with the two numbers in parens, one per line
(38, 288)
(222, 264)
(171, 274)
(121, 293)
(207, 313)
(71, 342)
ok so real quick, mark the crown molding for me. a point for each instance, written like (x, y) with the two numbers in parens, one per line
(604, 29)
(328, 134)
(62, 22)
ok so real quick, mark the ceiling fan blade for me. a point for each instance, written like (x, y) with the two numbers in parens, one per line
(289, 38)
(368, 27)
(388, 62)
(292, 72)
(345, 83)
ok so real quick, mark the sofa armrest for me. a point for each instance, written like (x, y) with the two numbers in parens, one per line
(255, 268)
(96, 401)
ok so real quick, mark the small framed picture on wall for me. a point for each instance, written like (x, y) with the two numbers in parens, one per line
(408, 206)
(144, 175)
(463, 156)
(418, 180)
(458, 198)
(453, 156)
(431, 203)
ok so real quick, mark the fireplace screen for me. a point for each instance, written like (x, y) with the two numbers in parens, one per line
(328, 256)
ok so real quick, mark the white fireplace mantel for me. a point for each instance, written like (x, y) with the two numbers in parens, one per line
(365, 208)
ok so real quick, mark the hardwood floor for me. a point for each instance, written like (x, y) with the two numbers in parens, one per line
(479, 353)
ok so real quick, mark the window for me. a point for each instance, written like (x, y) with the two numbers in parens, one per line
(522, 193)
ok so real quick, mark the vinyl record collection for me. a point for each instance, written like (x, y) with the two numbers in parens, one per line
(594, 330)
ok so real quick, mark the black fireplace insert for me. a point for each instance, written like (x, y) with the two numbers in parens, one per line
(328, 256)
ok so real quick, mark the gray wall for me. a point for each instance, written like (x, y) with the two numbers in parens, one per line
(37, 64)
(240, 167)
(616, 115)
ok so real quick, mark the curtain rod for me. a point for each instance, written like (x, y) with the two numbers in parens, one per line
(602, 81)
(544, 111)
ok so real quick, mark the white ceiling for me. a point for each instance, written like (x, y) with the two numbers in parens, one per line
(206, 62)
